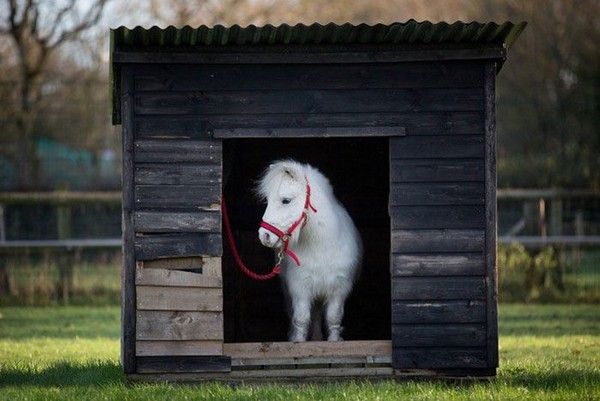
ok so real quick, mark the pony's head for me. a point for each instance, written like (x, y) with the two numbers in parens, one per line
(284, 187)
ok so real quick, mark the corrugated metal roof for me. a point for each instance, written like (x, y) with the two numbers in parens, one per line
(401, 33)
(410, 32)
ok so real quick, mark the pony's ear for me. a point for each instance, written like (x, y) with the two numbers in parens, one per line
(292, 173)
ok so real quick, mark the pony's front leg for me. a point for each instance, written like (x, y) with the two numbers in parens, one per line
(300, 319)
(333, 315)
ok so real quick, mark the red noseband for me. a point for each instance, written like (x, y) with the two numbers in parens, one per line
(286, 235)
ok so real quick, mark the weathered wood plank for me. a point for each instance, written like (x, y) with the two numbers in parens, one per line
(209, 266)
(174, 364)
(320, 132)
(307, 349)
(177, 245)
(128, 293)
(182, 126)
(311, 54)
(491, 214)
(315, 76)
(340, 361)
(207, 151)
(309, 101)
(439, 358)
(437, 217)
(436, 170)
(444, 147)
(459, 264)
(173, 222)
(407, 241)
(177, 174)
(438, 288)
(197, 197)
(429, 193)
(439, 335)
(176, 348)
(179, 299)
(427, 311)
(179, 325)
(175, 278)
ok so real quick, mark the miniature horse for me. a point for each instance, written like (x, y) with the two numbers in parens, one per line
(305, 222)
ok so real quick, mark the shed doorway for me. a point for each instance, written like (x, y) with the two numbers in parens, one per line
(358, 169)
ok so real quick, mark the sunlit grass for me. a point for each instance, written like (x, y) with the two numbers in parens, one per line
(548, 352)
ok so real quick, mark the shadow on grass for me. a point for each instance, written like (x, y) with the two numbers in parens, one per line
(64, 374)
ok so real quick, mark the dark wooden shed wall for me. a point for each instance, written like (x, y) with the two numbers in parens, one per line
(441, 284)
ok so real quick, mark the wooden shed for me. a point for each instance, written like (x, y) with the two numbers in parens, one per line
(400, 117)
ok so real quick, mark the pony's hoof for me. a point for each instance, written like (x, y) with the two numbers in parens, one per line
(334, 337)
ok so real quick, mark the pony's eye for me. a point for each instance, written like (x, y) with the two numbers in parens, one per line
(285, 201)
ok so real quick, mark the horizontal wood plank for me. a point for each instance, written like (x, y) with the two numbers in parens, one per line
(177, 245)
(175, 278)
(311, 76)
(427, 311)
(439, 358)
(207, 151)
(177, 174)
(174, 364)
(439, 335)
(309, 101)
(307, 349)
(173, 222)
(436, 170)
(340, 361)
(176, 348)
(182, 126)
(319, 132)
(438, 288)
(440, 240)
(437, 217)
(454, 264)
(459, 193)
(179, 299)
(197, 197)
(444, 147)
(179, 325)
(207, 265)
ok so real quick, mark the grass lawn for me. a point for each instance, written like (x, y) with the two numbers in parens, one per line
(548, 352)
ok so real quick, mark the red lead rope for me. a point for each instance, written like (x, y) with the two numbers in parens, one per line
(284, 236)
(234, 251)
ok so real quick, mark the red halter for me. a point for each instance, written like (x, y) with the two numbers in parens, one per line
(285, 236)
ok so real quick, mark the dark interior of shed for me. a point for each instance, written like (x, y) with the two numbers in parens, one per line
(358, 169)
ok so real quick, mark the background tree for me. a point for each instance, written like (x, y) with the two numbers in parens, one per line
(36, 30)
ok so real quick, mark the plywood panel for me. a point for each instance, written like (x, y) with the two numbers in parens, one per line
(175, 278)
(428, 311)
(209, 266)
(439, 335)
(179, 298)
(454, 264)
(175, 348)
(179, 325)
(173, 222)
(439, 240)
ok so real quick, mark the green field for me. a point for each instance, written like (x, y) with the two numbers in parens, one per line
(548, 352)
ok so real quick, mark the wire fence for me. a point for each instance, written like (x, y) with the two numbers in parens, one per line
(65, 246)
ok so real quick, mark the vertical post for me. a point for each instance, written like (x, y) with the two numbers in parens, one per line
(542, 217)
(580, 232)
(2, 224)
(489, 95)
(128, 293)
(65, 262)
(556, 216)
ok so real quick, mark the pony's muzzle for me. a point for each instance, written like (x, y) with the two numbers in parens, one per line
(267, 238)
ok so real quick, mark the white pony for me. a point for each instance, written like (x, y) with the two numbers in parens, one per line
(304, 220)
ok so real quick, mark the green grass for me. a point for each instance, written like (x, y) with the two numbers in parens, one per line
(548, 352)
